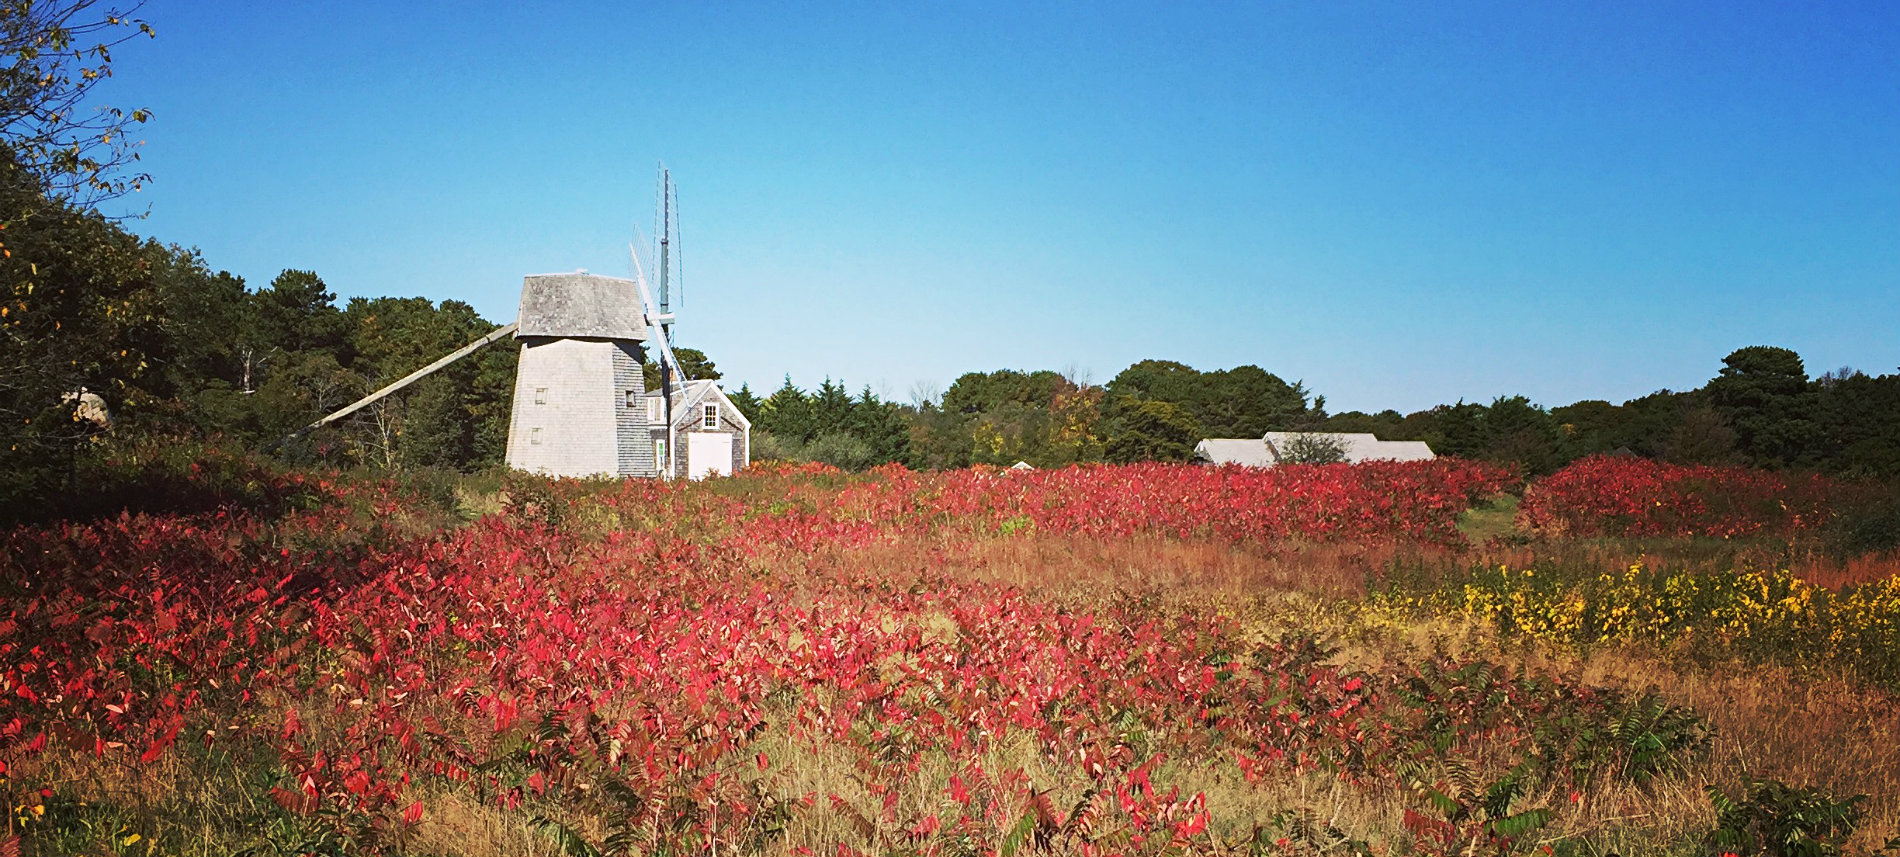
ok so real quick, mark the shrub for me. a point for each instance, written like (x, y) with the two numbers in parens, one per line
(1778, 820)
(1628, 496)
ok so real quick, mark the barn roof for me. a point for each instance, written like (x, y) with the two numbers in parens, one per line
(1268, 451)
(1360, 446)
(1252, 452)
(580, 306)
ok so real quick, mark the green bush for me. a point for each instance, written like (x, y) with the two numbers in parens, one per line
(1778, 820)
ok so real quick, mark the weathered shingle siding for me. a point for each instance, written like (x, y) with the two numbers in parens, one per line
(581, 305)
(574, 392)
(688, 421)
(563, 397)
(630, 424)
(692, 420)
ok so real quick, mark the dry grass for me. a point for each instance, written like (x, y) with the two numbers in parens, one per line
(1835, 573)
(457, 824)
(1770, 723)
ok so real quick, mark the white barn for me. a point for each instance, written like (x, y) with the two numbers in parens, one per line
(1273, 448)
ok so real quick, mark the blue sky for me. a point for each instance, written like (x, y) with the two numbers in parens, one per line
(1401, 204)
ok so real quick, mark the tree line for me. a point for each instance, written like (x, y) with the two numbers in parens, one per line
(1760, 409)
(95, 319)
(175, 348)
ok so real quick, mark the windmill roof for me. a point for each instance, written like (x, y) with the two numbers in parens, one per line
(580, 306)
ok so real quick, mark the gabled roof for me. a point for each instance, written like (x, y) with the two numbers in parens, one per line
(1251, 452)
(580, 305)
(697, 392)
(1359, 446)
(1272, 449)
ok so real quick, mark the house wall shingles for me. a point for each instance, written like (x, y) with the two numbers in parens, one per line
(583, 420)
(631, 435)
(690, 421)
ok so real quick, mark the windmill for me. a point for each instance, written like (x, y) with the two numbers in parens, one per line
(581, 407)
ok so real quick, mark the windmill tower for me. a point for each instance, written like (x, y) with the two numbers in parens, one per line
(580, 402)
(581, 407)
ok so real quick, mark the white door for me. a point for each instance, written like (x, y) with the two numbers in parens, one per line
(707, 453)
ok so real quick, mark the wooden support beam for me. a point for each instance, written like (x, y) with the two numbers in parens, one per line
(499, 333)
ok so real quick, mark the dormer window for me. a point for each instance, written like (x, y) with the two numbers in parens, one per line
(709, 417)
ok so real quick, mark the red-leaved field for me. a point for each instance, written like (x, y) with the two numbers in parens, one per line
(1084, 661)
(1631, 496)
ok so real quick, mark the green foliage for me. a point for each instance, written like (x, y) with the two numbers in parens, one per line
(1007, 416)
(976, 393)
(1763, 393)
(1245, 401)
(78, 312)
(1015, 525)
(456, 417)
(1141, 430)
(829, 426)
(840, 449)
(1777, 820)
(297, 314)
(1635, 739)
(1859, 419)
(1314, 448)
(694, 365)
(1387, 424)
(939, 439)
(746, 401)
(1701, 436)
(1302, 832)
(1519, 432)
(1511, 430)
(1868, 527)
(1641, 426)
(65, 145)
(1465, 815)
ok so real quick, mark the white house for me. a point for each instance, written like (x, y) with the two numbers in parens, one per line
(708, 436)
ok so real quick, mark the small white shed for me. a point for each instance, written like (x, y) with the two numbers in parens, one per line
(708, 434)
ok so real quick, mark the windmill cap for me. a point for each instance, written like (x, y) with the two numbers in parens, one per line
(580, 306)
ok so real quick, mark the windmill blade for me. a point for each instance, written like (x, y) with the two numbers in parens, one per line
(404, 381)
(654, 318)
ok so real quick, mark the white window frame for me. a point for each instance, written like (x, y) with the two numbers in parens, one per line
(709, 415)
(655, 406)
(659, 453)
(540, 395)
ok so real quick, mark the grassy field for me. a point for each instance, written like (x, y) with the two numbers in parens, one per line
(1096, 661)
